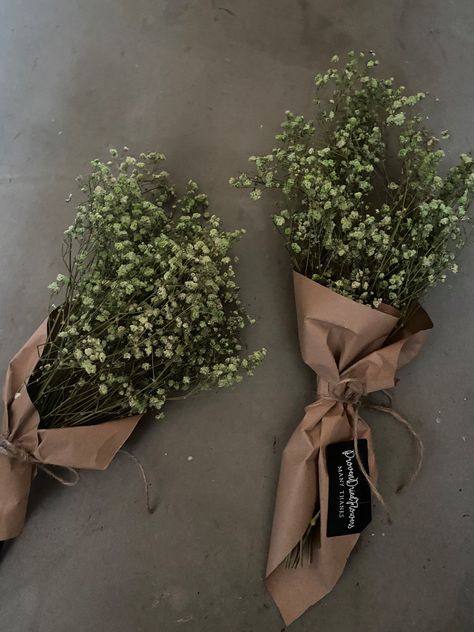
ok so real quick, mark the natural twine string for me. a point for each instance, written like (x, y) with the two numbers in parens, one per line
(146, 484)
(355, 400)
(388, 410)
(16, 452)
(303, 549)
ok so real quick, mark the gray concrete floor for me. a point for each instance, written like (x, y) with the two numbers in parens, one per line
(207, 82)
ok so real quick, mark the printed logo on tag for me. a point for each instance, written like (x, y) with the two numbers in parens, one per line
(349, 506)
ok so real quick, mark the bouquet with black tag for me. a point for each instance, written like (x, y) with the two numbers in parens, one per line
(355, 350)
(370, 222)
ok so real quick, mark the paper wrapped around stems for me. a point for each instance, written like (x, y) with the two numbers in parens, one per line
(340, 340)
(91, 447)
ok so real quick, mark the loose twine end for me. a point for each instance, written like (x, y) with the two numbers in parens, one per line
(18, 453)
(146, 484)
(388, 410)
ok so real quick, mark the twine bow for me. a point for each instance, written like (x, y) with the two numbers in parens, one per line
(16, 452)
(355, 399)
(345, 393)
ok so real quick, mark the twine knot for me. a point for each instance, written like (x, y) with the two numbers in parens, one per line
(351, 392)
(18, 453)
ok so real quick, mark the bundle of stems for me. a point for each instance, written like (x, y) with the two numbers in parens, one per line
(149, 308)
(365, 210)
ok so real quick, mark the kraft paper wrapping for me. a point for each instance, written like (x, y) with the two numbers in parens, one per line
(91, 447)
(340, 340)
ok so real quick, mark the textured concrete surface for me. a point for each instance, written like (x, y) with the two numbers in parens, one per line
(207, 83)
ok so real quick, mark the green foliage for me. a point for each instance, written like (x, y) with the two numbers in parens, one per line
(366, 211)
(150, 305)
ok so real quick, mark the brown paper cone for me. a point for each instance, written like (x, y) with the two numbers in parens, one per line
(91, 447)
(340, 340)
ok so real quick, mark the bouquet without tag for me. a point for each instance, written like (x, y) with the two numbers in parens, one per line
(149, 311)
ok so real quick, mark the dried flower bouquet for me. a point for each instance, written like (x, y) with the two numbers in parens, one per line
(148, 311)
(370, 224)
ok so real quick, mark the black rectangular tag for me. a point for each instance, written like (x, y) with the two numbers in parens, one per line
(349, 506)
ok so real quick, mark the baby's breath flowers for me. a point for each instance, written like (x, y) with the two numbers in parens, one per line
(150, 307)
(366, 212)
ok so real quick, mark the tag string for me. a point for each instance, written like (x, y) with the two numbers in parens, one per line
(354, 399)
(371, 484)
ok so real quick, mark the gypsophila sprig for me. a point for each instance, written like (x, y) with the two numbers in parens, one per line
(150, 307)
(366, 211)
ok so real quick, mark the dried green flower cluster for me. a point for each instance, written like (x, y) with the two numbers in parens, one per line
(366, 211)
(151, 307)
